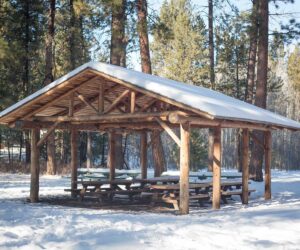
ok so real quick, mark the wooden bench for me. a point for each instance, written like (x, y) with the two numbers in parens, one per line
(109, 194)
(228, 193)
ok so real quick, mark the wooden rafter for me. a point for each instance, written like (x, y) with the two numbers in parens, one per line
(154, 95)
(132, 101)
(92, 99)
(169, 131)
(148, 105)
(116, 102)
(66, 94)
(86, 102)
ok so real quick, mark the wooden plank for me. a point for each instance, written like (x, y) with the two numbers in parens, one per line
(216, 197)
(143, 154)
(169, 131)
(116, 102)
(111, 155)
(245, 166)
(132, 101)
(34, 166)
(65, 95)
(86, 102)
(49, 132)
(74, 160)
(268, 158)
(184, 168)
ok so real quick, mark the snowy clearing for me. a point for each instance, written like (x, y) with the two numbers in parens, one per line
(274, 224)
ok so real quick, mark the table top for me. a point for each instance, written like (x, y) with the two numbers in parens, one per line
(194, 185)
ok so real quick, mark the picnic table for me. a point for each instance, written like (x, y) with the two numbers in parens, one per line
(198, 191)
(162, 189)
(108, 188)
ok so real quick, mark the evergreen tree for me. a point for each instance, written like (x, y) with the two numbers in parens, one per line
(179, 47)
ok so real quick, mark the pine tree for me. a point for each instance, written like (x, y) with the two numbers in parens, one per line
(179, 46)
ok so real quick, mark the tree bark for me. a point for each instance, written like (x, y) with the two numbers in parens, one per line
(252, 53)
(51, 163)
(212, 78)
(49, 44)
(261, 86)
(118, 57)
(72, 37)
(157, 148)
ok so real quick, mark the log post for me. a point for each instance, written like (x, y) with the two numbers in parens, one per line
(217, 169)
(245, 167)
(111, 155)
(89, 154)
(143, 155)
(74, 161)
(184, 168)
(34, 166)
(268, 157)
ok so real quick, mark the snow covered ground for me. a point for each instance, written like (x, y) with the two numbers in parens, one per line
(274, 224)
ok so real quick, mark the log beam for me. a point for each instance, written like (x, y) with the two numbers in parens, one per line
(146, 117)
(184, 168)
(143, 154)
(169, 131)
(245, 167)
(132, 101)
(268, 157)
(74, 161)
(34, 166)
(216, 197)
(178, 118)
(49, 132)
(86, 102)
(116, 102)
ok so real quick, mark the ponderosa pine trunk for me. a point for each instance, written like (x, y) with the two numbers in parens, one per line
(157, 148)
(252, 53)
(118, 57)
(257, 153)
(25, 76)
(212, 77)
(51, 162)
(72, 37)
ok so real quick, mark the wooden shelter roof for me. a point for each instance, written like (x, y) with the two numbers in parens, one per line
(98, 89)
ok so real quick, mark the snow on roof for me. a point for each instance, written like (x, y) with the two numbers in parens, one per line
(212, 102)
